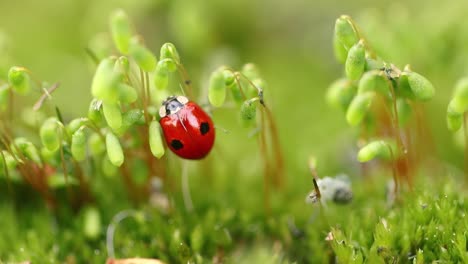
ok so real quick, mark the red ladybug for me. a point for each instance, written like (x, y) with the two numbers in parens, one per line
(188, 130)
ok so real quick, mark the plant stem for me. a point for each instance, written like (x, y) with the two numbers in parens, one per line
(465, 131)
(266, 166)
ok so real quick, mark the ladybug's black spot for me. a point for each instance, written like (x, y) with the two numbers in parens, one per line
(176, 144)
(204, 128)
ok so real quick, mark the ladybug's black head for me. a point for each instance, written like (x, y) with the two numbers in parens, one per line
(172, 105)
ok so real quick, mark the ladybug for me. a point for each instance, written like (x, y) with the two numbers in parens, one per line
(188, 130)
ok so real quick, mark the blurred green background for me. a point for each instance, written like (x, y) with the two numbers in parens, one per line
(290, 41)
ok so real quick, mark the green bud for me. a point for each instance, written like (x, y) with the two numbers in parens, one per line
(121, 30)
(155, 139)
(169, 51)
(217, 89)
(421, 87)
(248, 112)
(358, 108)
(250, 71)
(341, 93)
(113, 115)
(108, 169)
(403, 89)
(78, 145)
(75, 124)
(114, 150)
(404, 111)
(94, 111)
(460, 97)
(373, 64)
(27, 149)
(345, 32)
(356, 61)
(374, 81)
(142, 55)
(341, 53)
(128, 94)
(19, 80)
(105, 81)
(197, 239)
(4, 97)
(129, 118)
(92, 225)
(96, 144)
(236, 93)
(161, 76)
(49, 134)
(50, 157)
(454, 117)
(229, 77)
(122, 65)
(8, 164)
(384, 149)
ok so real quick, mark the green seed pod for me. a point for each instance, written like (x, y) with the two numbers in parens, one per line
(236, 93)
(248, 112)
(155, 139)
(27, 149)
(92, 225)
(121, 30)
(345, 32)
(8, 164)
(105, 81)
(129, 118)
(128, 94)
(374, 81)
(454, 117)
(113, 115)
(142, 55)
(373, 64)
(460, 97)
(356, 61)
(94, 111)
(108, 169)
(75, 124)
(358, 108)
(217, 89)
(122, 65)
(421, 87)
(197, 239)
(341, 93)
(171, 66)
(114, 150)
(4, 97)
(49, 134)
(341, 53)
(161, 76)
(96, 144)
(404, 111)
(384, 149)
(403, 89)
(250, 71)
(50, 157)
(169, 51)
(19, 80)
(78, 145)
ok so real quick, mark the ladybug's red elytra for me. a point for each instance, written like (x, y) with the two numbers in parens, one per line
(188, 130)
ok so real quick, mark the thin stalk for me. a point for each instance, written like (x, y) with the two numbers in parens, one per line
(186, 79)
(266, 166)
(277, 152)
(465, 131)
(186, 188)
